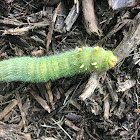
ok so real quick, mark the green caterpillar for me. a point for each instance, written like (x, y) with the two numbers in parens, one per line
(42, 69)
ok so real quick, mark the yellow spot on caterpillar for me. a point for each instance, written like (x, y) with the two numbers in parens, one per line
(93, 64)
(112, 61)
(80, 49)
(96, 48)
(96, 67)
(81, 66)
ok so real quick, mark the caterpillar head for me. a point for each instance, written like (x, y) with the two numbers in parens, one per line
(112, 59)
(108, 60)
(105, 59)
(102, 59)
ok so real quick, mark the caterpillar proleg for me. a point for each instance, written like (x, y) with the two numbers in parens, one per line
(42, 69)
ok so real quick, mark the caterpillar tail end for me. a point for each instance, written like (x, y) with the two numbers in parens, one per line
(112, 61)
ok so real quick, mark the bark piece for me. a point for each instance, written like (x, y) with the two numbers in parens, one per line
(129, 43)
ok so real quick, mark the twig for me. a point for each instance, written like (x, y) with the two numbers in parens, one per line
(62, 129)
(51, 28)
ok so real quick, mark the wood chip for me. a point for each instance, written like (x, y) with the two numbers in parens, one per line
(71, 125)
(92, 84)
(72, 16)
(123, 86)
(48, 87)
(112, 92)
(23, 115)
(137, 110)
(75, 104)
(119, 112)
(106, 108)
(89, 16)
(41, 101)
(8, 108)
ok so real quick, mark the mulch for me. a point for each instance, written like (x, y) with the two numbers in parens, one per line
(101, 105)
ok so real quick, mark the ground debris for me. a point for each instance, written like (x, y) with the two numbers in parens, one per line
(123, 86)
(109, 103)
